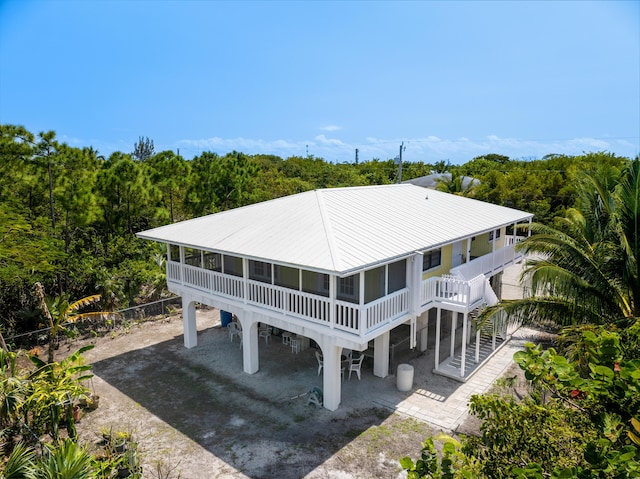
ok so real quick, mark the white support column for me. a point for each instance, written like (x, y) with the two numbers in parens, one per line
(189, 321)
(333, 289)
(437, 353)
(454, 325)
(182, 264)
(414, 282)
(468, 249)
(381, 355)
(331, 377)
(245, 279)
(423, 326)
(477, 346)
(250, 353)
(463, 358)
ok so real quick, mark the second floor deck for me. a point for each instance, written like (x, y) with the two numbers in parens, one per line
(464, 289)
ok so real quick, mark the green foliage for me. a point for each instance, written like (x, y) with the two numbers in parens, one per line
(580, 420)
(584, 269)
(51, 392)
(519, 433)
(452, 463)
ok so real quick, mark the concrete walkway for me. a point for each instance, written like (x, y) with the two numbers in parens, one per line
(449, 412)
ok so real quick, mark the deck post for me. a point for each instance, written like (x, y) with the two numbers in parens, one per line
(189, 322)
(465, 318)
(454, 325)
(477, 346)
(250, 356)
(332, 300)
(381, 355)
(331, 377)
(423, 327)
(437, 353)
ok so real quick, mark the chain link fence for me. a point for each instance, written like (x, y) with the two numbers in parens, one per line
(108, 323)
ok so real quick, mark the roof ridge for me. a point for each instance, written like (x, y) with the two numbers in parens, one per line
(328, 231)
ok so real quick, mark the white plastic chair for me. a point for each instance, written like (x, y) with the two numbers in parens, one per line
(320, 361)
(265, 332)
(234, 330)
(295, 345)
(355, 366)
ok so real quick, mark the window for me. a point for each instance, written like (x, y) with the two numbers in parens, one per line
(212, 261)
(431, 259)
(193, 257)
(286, 276)
(349, 288)
(260, 271)
(315, 283)
(232, 265)
(397, 276)
(497, 232)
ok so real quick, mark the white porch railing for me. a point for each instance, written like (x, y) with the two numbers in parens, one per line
(386, 308)
(291, 302)
(288, 301)
(454, 291)
(173, 272)
(489, 263)
(206, 280)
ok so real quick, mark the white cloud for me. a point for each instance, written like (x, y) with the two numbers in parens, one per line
(331, 128)
(328, 141)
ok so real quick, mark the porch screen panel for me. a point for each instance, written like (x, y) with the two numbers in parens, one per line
(286, 276)
(232, 265)
(212, 261)
(374, 284)
(315, 283)
(397, 273)
(260, 271)
(193, 257)
(174, 253)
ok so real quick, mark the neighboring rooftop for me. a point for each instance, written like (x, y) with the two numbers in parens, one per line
(431, 181)
(340, 230)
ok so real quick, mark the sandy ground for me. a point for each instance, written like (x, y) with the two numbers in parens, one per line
(196, 413)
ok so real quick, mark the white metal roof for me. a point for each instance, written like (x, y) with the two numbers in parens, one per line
(340, 229)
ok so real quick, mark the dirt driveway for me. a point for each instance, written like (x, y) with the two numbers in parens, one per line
(195, 412)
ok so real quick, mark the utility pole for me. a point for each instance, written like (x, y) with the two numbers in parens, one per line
(400, 163)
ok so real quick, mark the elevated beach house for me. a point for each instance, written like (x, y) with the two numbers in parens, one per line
(344, 267)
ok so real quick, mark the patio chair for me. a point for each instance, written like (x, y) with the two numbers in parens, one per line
(234, 330)
(295, 345)
(265, 332)
(320, 361)
(355, 366)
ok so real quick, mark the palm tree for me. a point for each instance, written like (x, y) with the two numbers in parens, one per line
(585, 269)
(60, 312)
(456, 184)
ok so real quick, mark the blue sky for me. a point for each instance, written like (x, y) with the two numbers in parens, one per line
(452, 80)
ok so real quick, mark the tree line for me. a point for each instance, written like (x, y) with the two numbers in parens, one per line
(68, 215)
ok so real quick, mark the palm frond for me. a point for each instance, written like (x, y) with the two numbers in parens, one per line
(628, 215)
(539, 310)
(21, 463)
(73, 307)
